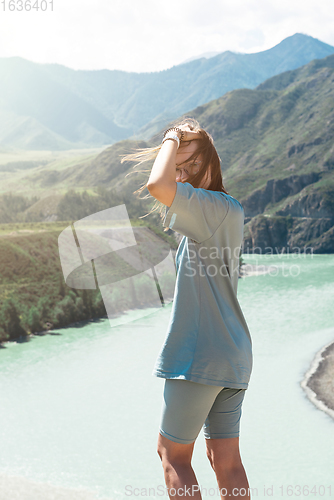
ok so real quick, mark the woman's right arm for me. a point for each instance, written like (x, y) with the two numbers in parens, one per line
(161, 183)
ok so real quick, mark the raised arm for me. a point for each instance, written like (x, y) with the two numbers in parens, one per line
(162, 181)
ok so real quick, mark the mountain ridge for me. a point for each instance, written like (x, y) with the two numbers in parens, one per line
(94, 108)
(276, 148)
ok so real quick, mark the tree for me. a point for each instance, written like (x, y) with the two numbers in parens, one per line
(11, 322)
(44, 306)
(61, 287)
(3, 335)
(34, 321)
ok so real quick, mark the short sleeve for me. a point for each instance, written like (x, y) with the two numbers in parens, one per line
(196, 212)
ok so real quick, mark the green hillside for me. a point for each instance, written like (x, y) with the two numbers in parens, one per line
(33, 294)
(276, 146)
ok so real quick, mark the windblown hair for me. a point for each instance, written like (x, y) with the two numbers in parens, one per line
(210, 161)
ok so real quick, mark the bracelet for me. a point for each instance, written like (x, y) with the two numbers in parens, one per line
(176, 129)
(171, 136)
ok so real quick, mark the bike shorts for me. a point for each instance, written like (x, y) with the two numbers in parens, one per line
(187, 406)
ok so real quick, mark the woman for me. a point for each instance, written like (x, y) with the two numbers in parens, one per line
(206, 358)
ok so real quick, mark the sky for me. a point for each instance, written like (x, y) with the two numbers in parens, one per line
(148, 35)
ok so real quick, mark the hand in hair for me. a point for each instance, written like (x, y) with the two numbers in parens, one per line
(189, 135)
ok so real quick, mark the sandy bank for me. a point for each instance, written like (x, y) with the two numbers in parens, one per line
(247, 270)
(318, 382)
(20, 488)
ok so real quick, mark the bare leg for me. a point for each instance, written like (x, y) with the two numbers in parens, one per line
(179, 475)
(224, 456)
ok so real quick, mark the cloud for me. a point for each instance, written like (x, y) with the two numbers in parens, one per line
(252, 38)
(151, 36)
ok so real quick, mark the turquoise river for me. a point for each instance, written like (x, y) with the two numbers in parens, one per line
(80, 409)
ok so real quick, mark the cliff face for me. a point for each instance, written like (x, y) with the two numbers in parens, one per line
(303, 223)
(277, 234)
(276, 190)
(308, 205)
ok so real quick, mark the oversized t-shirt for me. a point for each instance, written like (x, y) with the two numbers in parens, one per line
(207, 339)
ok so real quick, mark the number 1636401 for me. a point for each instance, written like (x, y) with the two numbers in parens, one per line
(26, 5)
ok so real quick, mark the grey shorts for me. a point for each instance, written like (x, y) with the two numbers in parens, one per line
(187, 406)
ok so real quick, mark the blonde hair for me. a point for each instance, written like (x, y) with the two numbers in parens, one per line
(210, 161)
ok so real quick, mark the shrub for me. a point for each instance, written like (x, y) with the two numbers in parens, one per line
(3, 335)
(10, 320)
(58, 318)
(34, 320)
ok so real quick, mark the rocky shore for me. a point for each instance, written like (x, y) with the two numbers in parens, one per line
(318, 382)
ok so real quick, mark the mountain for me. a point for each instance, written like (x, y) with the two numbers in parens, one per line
(276, 147)
(36, 112)
(49, 106)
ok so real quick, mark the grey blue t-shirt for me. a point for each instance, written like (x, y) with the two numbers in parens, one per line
(207, 339)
